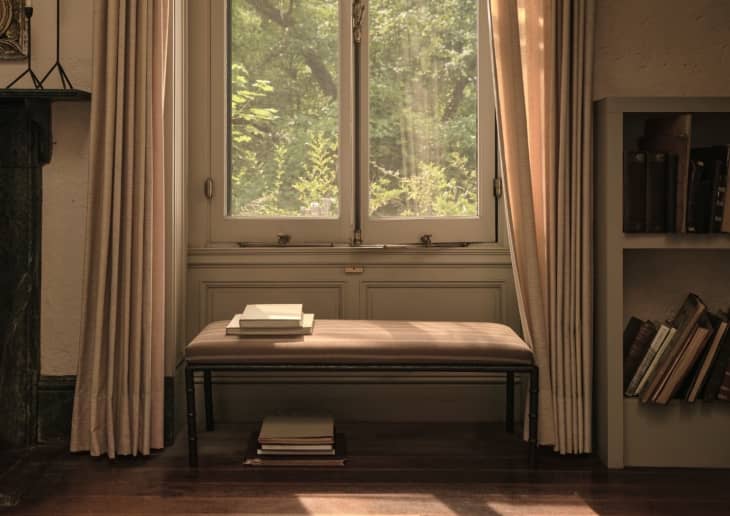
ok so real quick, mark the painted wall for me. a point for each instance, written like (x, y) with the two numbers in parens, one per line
(65, 179)
(662, 47)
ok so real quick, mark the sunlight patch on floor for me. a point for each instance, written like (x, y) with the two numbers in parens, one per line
(391, 504)
(533, 507)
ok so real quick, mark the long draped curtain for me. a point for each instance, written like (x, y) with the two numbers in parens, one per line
(543, 51)
(118, 405)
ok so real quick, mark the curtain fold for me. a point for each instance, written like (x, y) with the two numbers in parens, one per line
(119, 398)
(543, 52)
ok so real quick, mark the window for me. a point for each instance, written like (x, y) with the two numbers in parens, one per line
(382, 121)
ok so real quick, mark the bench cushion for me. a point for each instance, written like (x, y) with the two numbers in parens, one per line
(367, 342)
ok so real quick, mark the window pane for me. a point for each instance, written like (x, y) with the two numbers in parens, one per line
(423, 106)
(284, 109)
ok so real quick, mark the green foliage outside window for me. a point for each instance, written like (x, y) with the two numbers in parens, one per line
(284, 108)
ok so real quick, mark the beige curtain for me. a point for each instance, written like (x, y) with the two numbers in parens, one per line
(543, 51)
(118, 407)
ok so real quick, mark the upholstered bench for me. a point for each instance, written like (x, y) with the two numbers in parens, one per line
(356, 345)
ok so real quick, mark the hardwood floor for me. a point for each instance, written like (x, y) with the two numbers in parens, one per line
(403, 469)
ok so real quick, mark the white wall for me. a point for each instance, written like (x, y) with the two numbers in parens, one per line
(65, 179)
(662, 48)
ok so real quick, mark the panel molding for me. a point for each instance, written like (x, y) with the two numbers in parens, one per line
(367, 287)
(209, 289)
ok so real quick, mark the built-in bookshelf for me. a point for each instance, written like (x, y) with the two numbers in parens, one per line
(648, 275)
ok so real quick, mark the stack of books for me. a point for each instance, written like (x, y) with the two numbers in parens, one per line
(670, 186)
(686, 358)
(271, 320)
(297, 441)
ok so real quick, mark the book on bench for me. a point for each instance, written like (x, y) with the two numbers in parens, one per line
(272, 316)
(234, 328)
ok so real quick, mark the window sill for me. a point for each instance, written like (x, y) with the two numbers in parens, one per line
(476, 254)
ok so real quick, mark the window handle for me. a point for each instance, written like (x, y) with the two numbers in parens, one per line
(208, 188)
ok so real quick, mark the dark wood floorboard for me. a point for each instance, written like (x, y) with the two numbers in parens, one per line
(393, 469)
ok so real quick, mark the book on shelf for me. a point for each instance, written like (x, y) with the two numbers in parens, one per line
(660, 336)
(686, 358)
(637, 349)
(632, 328)
(657, 183)
(668, 186)
(720, 326)
(717, 161)
(234, 329)
(672, 135)
(724, 393)
(685, 361)
(272, 316)
(685, 322)
(634, 208)
(654, 360)
(718, 368)
(699, 196)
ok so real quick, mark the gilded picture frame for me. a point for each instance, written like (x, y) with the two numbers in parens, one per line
(13, 30)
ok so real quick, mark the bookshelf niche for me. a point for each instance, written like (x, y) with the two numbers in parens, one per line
(649, 275)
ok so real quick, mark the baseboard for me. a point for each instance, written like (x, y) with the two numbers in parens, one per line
(55, 408)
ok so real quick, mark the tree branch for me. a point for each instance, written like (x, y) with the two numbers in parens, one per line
(313, 61)
(457, 92)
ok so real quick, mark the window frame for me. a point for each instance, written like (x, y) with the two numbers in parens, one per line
(481, 228)
(224, 228)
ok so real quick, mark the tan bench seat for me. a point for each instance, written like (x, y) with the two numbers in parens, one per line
(342, 345)
(363, 342)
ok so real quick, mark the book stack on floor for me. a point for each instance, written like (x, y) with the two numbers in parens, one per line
(670, 186)
(297, 441)
(686, 358)
(271, 320)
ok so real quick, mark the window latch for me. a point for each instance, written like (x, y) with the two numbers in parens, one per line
(208, 188)
(497, 187)
(426, 240)
(283, 239)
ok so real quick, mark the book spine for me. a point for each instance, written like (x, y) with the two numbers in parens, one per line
(717, 197)
(656, 344)
(656, 188)
(694, 174)
(689, 314)
(725, 202)
(719, 368)
(638, 350)
(724, 393)
(634, 192)
(671, 191)
(661, 351)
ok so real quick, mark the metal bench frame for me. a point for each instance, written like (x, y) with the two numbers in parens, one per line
(209, 369)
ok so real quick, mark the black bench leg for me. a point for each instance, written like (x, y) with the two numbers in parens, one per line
(534, 391)
(509, 416)
(192, 432)
(208, 389)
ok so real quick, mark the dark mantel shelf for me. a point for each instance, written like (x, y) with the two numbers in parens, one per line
(45, 94)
